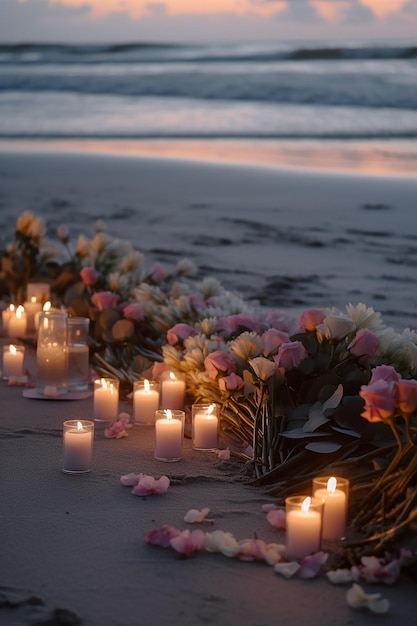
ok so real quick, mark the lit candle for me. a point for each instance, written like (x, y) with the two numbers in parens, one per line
(17, 323)
(13, 361)
(40, 291)
(303, 526)
(31, 308)
(335, 505)
(78, 445)
(205, 427)
(5, 316)
(46, 307)
(145, 401)
(106, 399)
(172, 392)
(52, 354)
(169, 426)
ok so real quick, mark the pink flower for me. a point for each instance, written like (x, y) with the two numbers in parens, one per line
(218, 361)
(135, 311)
(384, 372)
(405, 395)
(272, 339)
(63, 233)
(231, 382)
(375, 570)
(157, 272)
(105, 300)
(277, 518)
(187, 542)
(379, 401)
(148, 486)
(311, 318)
(158, 369)
(365, 343)
(290, 355)
(230, 324)
(89, 276)
(179, 331)
(162, 536)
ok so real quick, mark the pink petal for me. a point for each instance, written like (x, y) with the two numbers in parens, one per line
(188, 542)
(311, 565)
(128, 480)
(162, 536)
(194, 516)
(277, 518)
(269, 507)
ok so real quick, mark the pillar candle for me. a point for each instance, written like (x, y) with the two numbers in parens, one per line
(303, 526)
(335, 505)
(168, 435)
(145, 402)
(78, 445)
(13, 357)
(17, 323)
(5, 316)
(106, 399)
(205, 427)
(172, 392)
(31, 308)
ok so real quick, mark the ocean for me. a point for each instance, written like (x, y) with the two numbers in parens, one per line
(236, 90)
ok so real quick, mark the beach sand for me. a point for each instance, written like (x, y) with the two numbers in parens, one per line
(287, 238)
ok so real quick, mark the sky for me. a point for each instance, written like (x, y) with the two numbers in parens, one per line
(83, 21)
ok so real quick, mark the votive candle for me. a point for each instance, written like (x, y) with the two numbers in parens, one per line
(172, 391)
(334, 494)
(13, 357)
(31, 307)
(106, 399)
(5, 316)
(303, 526)
(17, 323)
(169, 429)
(145, 401)
(205, 426)
(78, 446)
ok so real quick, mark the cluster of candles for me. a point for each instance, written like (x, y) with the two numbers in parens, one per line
(322, 516)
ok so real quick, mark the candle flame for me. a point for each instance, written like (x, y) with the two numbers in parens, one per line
(11, 308)
(46, 306)
(19, 311)
(211, 409)
(331, 484)
(79, 426)
(172, 375)
(12, 349)
(168, 413)
(306, 504)
(33, 299)
(146, 385)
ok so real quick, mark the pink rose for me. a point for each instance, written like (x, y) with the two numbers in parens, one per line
(231, 382)
(379, 401)
(218, 361)
(229, 325)
(384, 372)
(311, 318)
(405, 395)
(89, 276)
(105, 300)
(365, 343)
(290, 355)
(179, 331)
(134, 311)
(271, 341)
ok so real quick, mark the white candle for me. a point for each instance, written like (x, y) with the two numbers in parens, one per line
(172, 392)
(78, 445)
(46, 307)
(168, 435)
(17, 323)
(335, 509)
(52, 367)
(205, 428)
(303, 529)
(106, 399)
(5, 316)
(145, 402)
(40, 291)
(31, 308)
(13, 361)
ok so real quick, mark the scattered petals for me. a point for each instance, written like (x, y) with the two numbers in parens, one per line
(269, 507)
(128, 480)
(223, 455)
(277, 518)
(287, 569)
(19, 381)
(162, 536)
(148, 485)
(117, 428)
(311, 565)
(194, 516)
(375, 570)
(187, 542)
(223, 542)
(272, 553)
(358, 599)
(342, 576)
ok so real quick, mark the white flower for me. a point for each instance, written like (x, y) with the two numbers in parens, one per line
(263, 368)
(358, 599)
(247, 346)
(287, 569)
(345, 575)
(365, 317)
(335, 327)
(185, 267)
(220, 541)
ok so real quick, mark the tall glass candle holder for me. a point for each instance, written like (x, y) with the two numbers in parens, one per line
(145, 402)
(78, 353)
(13, 358)
(304, 518)
(172, 391)
(334, 492)
(205, 425)
(52, 354)
(78, 446)
(106, 399)
(169, 434)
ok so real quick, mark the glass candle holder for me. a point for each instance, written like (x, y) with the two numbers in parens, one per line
(32, 307)
(106, 399)
(78, 438)
(52, 354)
(205, 426)
(78, 353)
(145, 402)
(172, 391)
(169, 434)
(13, 358)
(304, 520)
(334, 493)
